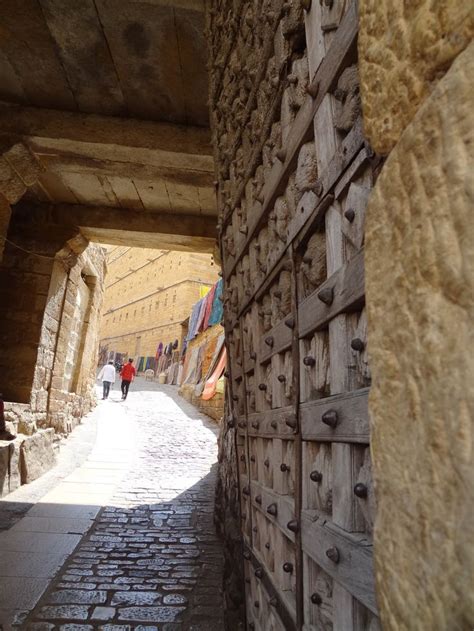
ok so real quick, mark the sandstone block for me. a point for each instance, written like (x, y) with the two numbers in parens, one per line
(37, 455)
(404, 49)
(422, 397)
(10, 478)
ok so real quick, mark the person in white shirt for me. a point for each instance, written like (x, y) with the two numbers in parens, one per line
(107, 374)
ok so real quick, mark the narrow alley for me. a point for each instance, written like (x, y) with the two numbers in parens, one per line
(136, 519)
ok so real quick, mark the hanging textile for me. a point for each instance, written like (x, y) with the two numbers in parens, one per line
(214, 359)
(191, 368)
(140, 364)
(211, 383)
(159, 350)
(217, 309)
(203, 290)
(207, 312)
(193, 318)
(200, 319)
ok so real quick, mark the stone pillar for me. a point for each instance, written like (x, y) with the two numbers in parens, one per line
(18, 170)
(416, 74)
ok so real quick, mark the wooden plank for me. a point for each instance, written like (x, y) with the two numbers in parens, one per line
(273, 423)
(309, 213)
(356, 202)
(348, 291)
(280, 604)
(343, 156)
(27, 44)
(153, 194)
(126, 192)
(281, 337)
(10, 89)
(354, 571)
(314, 37)
(347, 460)
(285, 507)
(192, 53)
(56, 160)
(351, 172)
(87, 189)
(352, 418)
(143, 42)
(183, 198)
(325, 136)
(56, 189)
(85, 55)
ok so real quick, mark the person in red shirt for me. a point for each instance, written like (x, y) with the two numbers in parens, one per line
(127, 373)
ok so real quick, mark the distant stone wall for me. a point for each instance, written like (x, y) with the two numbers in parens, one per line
(416, 66)
(149, 294)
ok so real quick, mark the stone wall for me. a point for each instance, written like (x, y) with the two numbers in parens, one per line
(149, 294)
(40, 276)
(416, 67)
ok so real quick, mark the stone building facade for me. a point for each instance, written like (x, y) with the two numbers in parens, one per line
(149, 294)
(343, 138)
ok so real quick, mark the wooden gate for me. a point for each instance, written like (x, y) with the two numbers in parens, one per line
(293, 203)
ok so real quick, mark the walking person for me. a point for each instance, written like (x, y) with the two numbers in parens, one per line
(107, 374)
(127, 373)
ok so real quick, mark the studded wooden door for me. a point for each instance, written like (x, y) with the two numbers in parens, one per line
(292, 196)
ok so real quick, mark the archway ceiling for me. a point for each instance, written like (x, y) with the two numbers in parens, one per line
(111, 98)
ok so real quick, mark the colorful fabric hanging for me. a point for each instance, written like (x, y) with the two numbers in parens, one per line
(193, 320)
(211, 384)
(207, 311)
(200, 319)
(217, 309)
(203, 290)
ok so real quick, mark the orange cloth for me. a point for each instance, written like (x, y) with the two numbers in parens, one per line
(211, 384)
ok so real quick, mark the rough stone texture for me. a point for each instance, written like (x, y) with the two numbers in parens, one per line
(404, 49)
(37, 455)
(10, 478)
(51, 385)
(418, 244)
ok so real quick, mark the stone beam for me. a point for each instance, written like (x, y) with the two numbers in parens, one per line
(122, 226)
(58, 163)
(189, 5)
(70, 127)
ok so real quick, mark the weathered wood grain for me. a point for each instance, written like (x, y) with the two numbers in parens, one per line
(352, 414)
(348, 286)
(280, 422)
(354, 571)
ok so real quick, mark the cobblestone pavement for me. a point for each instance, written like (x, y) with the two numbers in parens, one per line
(151, 560)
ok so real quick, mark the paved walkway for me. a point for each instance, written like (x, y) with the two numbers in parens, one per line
(131, 529)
